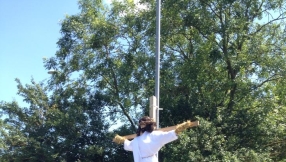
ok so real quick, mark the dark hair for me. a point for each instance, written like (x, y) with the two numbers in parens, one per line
(145, 124)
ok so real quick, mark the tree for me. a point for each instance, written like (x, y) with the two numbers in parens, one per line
(228, 65)
(69, 126)
(100, 45)
(222, 63)
(219, 63)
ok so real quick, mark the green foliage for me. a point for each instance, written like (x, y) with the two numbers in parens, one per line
(66, 128)
(222, 63)
(207, 143)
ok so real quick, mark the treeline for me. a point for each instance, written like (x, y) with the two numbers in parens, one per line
(222, 63)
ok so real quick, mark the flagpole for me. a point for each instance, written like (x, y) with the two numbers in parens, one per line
(157, 77)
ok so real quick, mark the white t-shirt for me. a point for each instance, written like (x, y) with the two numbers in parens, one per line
(145, 146)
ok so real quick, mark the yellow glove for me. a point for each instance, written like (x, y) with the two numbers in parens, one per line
(181, 127)
(118, 139)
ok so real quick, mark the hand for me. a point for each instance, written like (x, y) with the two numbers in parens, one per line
(118, 139)
(181, 127)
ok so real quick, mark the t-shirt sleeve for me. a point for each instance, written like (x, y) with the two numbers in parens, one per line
(166, 137)
(128, 145)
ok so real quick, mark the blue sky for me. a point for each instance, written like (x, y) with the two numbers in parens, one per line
(29, 30)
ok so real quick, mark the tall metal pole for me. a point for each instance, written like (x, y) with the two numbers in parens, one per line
(157, 77)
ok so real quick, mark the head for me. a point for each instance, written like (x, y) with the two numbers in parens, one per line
(145, 124)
